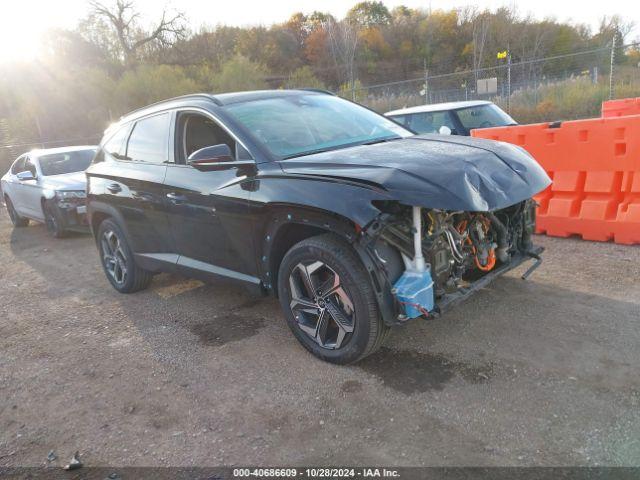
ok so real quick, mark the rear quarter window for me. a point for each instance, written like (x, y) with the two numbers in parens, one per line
(115, 145)
(149, 140)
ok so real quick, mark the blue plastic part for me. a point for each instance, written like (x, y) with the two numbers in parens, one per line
(414, 290)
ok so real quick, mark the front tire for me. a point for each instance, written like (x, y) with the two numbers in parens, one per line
(53, 221)
(16, 219)
(117, 260)
(328, 300)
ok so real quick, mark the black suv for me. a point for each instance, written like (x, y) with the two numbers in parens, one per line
(355, 223)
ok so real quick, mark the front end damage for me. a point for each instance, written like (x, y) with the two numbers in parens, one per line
(432, 259)
(438, 216)
(70, 209)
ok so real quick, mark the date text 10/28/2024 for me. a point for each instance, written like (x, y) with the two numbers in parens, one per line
(316, 473)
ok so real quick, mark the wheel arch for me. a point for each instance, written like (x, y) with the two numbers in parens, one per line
(98, 212)
(288, 226)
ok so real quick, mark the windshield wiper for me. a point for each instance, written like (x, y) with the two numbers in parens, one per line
(339, 147)
(381, 140)
(312, 152)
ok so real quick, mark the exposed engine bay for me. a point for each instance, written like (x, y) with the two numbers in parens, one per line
(457, 249)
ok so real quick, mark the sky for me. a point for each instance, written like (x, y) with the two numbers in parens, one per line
(22, 22)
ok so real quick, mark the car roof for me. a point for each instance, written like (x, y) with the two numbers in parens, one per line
(239, 97)
(221, 99)
(437, 107)
(38, 152)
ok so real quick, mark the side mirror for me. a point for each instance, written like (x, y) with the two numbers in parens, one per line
(444, 130)
(25, 176)
(210, 158)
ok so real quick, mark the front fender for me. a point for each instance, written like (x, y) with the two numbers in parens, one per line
(341, 197)
(307, 222)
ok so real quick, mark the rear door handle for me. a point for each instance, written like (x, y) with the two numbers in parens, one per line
(114, 188)
(175, 198)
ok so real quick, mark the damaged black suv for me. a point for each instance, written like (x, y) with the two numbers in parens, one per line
(354, 222)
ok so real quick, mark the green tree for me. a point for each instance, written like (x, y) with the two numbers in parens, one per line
(353, 92)
(150, 83)
(304, 77)
(369, 14)
(240, 73)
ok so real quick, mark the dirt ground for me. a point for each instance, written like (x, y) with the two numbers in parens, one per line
(542, 372)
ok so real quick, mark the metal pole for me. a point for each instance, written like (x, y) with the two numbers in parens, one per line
(613, 55)
(509, 82)
(353, 88)
(426, 83)
(39, 130)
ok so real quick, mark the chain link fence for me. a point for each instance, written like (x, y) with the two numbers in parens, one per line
(539, 85)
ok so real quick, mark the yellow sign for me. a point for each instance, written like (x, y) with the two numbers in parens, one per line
(502, 54)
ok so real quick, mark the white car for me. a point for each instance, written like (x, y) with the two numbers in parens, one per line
(49, 186)
(453, 118)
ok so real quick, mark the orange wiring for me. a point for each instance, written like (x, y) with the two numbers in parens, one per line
(491, 261)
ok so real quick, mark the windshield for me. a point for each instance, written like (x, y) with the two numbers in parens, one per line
(302, 124)
(67, 162)
(484, 116)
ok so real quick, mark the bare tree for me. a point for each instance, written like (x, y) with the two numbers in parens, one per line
(480, 29)
(343, 41)
(122, 18)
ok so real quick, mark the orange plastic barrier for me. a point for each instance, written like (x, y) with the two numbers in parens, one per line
(595, 168)
(621, 108)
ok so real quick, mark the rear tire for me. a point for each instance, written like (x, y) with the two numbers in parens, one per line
(328, 300)
(118, 261)
(16, 219)
(53, 221)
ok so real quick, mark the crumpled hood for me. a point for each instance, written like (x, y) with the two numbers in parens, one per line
(67, 181)
(435, 171)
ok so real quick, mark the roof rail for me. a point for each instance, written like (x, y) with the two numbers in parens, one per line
(318, 90)
(181, 97)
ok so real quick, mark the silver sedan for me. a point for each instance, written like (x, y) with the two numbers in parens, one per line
(48, 186)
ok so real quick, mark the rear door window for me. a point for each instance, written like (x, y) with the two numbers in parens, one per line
(149, 140)
(401, 119)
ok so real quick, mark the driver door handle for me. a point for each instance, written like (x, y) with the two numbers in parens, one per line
(114, 188)
(176, 198)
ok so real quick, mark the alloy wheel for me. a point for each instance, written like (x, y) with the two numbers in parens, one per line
(320, 304)
(51, 221)
(113, 257)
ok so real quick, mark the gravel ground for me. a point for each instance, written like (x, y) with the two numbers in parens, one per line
(542, 372)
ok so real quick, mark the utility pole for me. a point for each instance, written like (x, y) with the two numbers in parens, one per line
(509, 81)
(426, 83)
(613, 56)
(39, 130)
(506, 54)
